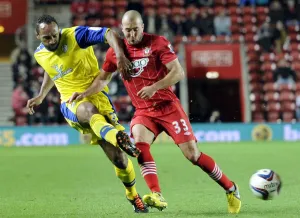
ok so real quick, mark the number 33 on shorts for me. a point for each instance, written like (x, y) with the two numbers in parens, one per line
(181, 125)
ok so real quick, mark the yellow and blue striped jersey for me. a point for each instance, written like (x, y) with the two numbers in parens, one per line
(73, 66)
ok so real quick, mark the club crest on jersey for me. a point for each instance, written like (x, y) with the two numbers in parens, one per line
(147, 51)
(139, 65)
(64, 48)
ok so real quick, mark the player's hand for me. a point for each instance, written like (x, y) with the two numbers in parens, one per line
(32, 103)
(146, 92)
(124, 67)
(77, 96)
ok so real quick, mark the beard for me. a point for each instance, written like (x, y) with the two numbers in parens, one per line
(52, 47)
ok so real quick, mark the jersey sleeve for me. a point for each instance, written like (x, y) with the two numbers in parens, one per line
(109, 64)
(87, 36)
(165, 50)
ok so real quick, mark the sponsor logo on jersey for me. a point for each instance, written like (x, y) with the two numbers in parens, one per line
(139, 66)
(171, 48)
(60, 71)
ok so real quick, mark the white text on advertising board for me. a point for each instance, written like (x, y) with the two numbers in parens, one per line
(215, 58)
(218, 136)
(42, 139)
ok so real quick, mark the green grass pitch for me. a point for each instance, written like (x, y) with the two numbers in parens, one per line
(79, 181)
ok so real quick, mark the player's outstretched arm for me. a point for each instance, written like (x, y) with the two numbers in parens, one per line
(45, 88)
(123, 64)
(98, 85)
(175, 74)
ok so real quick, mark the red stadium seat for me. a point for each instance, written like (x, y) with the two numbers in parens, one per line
(108, 12)
(235, 29)
(273, 117)
(236, 19)
(93, 7)
(254, 77)
(250, 38)
(234, 10)
(121, 4)
(273, 106)
(257, 107)
(298, 87)
(163, 3)
(288, 106)
(178, 3)
(256, 96)
(288, 117)
(109, 22)
(295, 56)
(271, 96)
(253, 47)
(255, 87)
(237, 37)
(287, 96)
(177, 11)
(149, 3)
(233, 2)
(257, 115)
(296, 66)
(252, 57)
(294, 37)
(250, 28)
(78, 8)
(293, 28)
(249, 20)
(295, 46)
(164, 10)
(267, 57)
(253, 67)
(286, 87)
(261, 18)
(270, 87)
(267, 66)
(220, 3)
(262, 10)
(248, 10)
(108, 4)
(268, 77)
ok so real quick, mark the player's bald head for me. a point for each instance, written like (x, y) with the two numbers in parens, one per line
(132, 27)
(132, 16)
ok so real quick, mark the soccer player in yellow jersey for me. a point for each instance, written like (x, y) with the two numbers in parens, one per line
(70, 64)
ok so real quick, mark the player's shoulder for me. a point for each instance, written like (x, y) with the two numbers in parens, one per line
(68, 31)
(39, 49)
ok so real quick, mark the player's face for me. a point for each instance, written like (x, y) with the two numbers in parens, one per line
(49, 35)
(133, 31)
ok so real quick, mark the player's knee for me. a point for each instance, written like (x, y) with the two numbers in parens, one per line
(193, 157)
(85, 111)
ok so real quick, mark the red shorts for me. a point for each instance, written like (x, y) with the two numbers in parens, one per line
(169, 117)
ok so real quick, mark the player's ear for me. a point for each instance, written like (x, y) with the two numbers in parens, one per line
(37, 35)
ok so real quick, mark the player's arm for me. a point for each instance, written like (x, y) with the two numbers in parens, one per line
(87, 36)
(175, 74)
(45, 88)
(98, 85)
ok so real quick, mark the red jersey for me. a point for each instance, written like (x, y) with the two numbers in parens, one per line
(148, 58)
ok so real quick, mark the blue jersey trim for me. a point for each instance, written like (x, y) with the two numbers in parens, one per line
(41, 46)
(87, 36)
(113, 107)
(68, 113)
(105, 130)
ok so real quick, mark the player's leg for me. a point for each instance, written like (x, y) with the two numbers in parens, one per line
(144, 132)
(177, 125)
(125, 172)
(88, 114)
(209, 166)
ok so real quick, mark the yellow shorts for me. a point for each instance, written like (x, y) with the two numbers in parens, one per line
(105, 107)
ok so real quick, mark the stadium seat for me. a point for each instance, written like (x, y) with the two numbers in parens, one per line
(288, 117)
(270, 87)
(108, 4)
(220, 2)
(293, 28)
(288, 106)
(254, 77)
(273, 117)
(295, 56)
(271, 97)
(252, 57)
(253, 67)
(108, 12)
(257, 115)
(294, 37)
(78, 8)
(149, 3)
(297, 87)
(286, 96)
(268, 77)
(233, 2)
(253, 47)
(121, 4)
(164, 10)
(267, 66)
(177, 11)
(248, 10)
(235, 29)
(255, 87)
(237, 37)
(109, 22)
(177, 3)
(163, 3)
(262, 10)
(295, 46)
(250, 37)
(267, 57)
(286, 87)
(249, 20)
(296, 66)
(256, 96)
(273, 106)
(257, 107)
(250, 28)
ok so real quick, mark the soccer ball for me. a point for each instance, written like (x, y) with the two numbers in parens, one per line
(265, 184)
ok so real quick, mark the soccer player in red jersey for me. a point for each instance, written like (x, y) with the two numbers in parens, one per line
(158, 109)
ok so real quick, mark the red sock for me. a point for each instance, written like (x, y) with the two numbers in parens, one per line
(148, 166)
(208, 165)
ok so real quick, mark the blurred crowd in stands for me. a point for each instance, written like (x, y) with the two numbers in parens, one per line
(269, 22)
